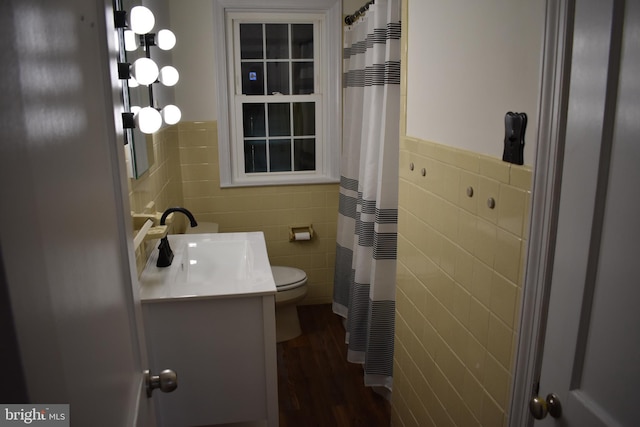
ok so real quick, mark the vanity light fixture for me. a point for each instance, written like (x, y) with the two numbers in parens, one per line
(171, 114)
(142, 20)
(131, 41)
(168, 75)
(144, 71)
(148, 120)
(132, 82)
(166, 40)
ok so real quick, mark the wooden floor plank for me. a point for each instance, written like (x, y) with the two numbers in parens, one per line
(317, 386)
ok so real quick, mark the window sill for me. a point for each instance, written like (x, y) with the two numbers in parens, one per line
(266, 181)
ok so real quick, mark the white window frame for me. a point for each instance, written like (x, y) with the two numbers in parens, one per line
(238, 99)
(328, 81)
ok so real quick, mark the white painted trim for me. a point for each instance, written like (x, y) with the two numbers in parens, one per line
(332, 84)
(319, 174)
(290, 180)
(544, 210)
(270, 359)
(224, 126)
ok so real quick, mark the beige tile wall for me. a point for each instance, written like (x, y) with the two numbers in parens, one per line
(272, 210)
(459, 283)
(161, 184)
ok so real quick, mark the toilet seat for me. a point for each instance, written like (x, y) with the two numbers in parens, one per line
(288, 277)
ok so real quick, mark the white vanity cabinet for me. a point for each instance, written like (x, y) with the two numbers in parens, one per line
(221, 343)
(223, 351)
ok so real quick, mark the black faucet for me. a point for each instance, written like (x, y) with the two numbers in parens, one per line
(165, 255)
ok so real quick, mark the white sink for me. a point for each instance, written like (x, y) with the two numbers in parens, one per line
(214, 260)
(209, 266)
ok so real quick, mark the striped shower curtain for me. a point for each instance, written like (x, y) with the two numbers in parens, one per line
(364, 282)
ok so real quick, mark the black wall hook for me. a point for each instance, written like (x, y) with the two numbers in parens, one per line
(515, 126)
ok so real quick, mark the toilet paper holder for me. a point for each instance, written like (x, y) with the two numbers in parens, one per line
(302, 233)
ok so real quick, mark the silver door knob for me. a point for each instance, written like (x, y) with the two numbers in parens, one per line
(540, 407)
(167, 381)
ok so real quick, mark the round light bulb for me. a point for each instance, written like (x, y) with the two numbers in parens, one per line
(148, 120)
(169, 76)
(145, 71)
(142, 20)
(130, 41)
(165, 39)
(171, 114)
(132, 82)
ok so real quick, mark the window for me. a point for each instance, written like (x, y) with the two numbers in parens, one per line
(279, 86)
(277, 105)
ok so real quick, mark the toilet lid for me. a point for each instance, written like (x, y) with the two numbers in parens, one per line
(288, 277)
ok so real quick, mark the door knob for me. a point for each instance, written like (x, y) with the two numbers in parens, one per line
(167, 381)
(540, 407)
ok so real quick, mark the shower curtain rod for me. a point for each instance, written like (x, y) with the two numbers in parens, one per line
(350, 19)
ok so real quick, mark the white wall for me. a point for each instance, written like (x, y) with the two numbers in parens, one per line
(195, 93)
(470, 62)
(350, 6)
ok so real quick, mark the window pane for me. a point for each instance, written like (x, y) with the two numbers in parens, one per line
(304, 118)
(302, 41)
(277, 41)
(252, 78)
(280, 155)
(255, 156)
(279, 119)
(253, 120)
(251, 41)
(302, 73)
(278, 78)
(304, 154)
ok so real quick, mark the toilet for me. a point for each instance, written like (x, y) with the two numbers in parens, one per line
(291, 285)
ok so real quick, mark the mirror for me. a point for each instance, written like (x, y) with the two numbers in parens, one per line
(139, 147)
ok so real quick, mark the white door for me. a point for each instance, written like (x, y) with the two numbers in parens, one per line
(65, 240)
(591, 359)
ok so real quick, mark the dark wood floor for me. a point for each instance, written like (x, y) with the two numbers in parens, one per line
(316, 384)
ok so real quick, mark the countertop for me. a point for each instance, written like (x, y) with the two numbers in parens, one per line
(214, 265)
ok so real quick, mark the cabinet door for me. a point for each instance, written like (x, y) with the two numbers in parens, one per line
(222, 355)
